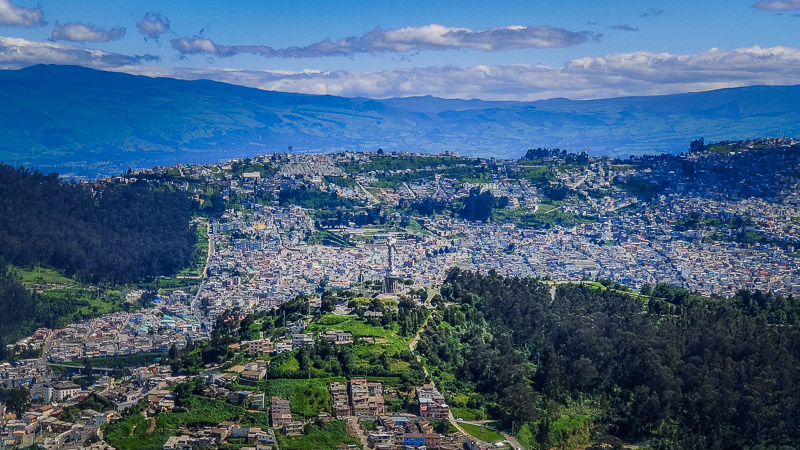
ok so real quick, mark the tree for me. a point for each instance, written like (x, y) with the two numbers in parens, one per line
(17, 399)
(88, 371)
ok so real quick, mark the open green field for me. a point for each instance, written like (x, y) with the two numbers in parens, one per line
(386, 340)
(308, 397)
(74, 300)
(357, 326)
(468, 414)
(482, 433)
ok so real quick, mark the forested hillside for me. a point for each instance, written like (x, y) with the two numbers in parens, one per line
(117, 234)
(596, 366)
(96, 234)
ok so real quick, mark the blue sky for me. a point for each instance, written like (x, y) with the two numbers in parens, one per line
(505, 50)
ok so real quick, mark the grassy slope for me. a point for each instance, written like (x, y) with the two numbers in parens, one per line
(482, 433)
(54, 285)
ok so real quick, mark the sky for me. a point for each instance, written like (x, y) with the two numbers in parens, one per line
(491, 50)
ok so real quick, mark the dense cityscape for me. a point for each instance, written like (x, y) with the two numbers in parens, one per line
(314, 253)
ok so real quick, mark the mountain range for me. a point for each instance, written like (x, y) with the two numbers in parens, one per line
(86, 123)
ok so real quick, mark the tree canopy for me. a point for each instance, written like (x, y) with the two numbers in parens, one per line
(681, 369)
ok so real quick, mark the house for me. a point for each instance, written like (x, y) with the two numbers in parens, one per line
(337, 337)
(413, 439)
(432, 440)
(293, 428)
(259, 436)
(340, 401)
(431, 402)
(302, 340)
(239, 397)
(260, 346)
(283, 346)
(279, 412)
(257, 401)
(179, 443)
(59, 392)
(217, 434)
(252, 377)
(380, 438)
(366, 398)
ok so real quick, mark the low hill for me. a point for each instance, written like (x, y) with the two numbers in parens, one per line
(85, 122)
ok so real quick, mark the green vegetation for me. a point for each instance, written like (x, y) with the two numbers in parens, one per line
(325, 237)
(66, 294)
(536, 174)
(247, 165)
(199, 253)
(71, 413)
(114, 233)
(543, 367)
(308, 397)
(341, 181)
(321, 436)
(640, 188)
(314, 199)
(120, 362)
(359, 327)
(193, 410)
(481, 432)
(373, 340)
(468, 414)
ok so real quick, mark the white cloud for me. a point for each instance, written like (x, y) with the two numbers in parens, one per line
(153, 25)
(13, 15)
(613, 75)
(81, 32)
(626, 74)
(777, 5)
(16, 53)
(408, 39)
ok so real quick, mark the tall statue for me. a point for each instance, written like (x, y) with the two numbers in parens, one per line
(391, 279)
(391, 242)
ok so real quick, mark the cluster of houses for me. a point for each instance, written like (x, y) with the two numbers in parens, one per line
(359, 398)
(212, 437)
(412, 432)
(41, 425)
(431, 402)
(267, 347)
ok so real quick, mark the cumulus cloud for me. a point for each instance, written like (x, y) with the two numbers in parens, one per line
(652, 12)
(625, 28)
(777, 5)
(615, 75)
(14, 15)
(153, 25)
(429, 37)
(16, 53)
(81, 32)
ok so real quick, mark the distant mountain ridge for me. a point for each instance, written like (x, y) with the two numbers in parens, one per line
(85, 122)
